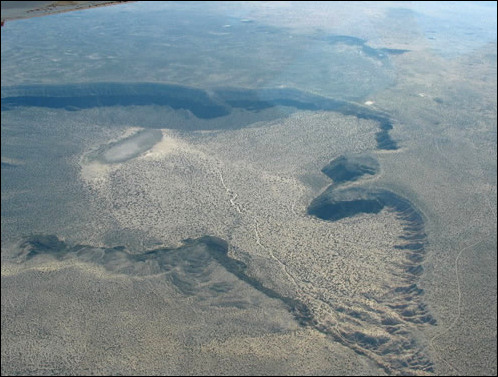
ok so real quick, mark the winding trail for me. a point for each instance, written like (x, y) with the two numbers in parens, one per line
(459, 308)
(272, 256)
(232, 195)
(457, 259)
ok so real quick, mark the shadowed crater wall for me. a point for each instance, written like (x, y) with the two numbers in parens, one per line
(203, 104)
(7, 165)
(380, 54)
(350, 168)
(337, 203)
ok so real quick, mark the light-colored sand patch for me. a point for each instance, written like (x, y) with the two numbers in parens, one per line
(166, 146)
(9, 269)
(130, 147)
(11, 161)
(95, 172)
(97, 163)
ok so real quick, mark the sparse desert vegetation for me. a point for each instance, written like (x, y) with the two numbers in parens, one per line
(241, 204)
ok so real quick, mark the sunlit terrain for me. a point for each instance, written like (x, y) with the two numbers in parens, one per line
(250, 189)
